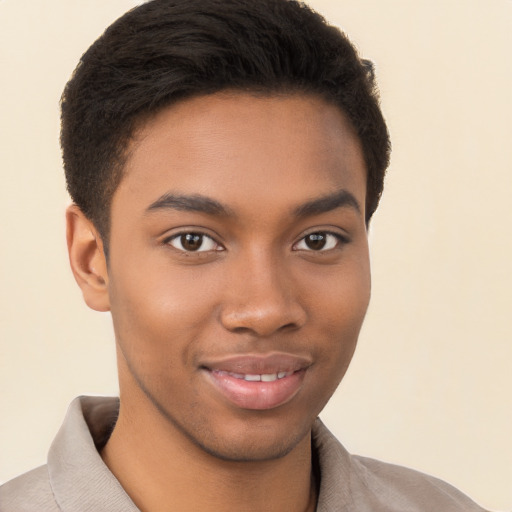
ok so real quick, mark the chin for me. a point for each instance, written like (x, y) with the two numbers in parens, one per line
(256, 436)
(250, 446)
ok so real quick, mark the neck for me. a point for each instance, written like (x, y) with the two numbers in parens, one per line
(161, 470)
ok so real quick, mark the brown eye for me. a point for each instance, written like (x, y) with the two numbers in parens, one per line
(319, 241)
(193, 242)
(316, 241)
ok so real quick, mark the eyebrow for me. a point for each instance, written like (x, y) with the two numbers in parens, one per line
(340, 199)
(203, 204)
(189, 203)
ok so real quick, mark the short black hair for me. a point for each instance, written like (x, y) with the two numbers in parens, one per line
(164, 51)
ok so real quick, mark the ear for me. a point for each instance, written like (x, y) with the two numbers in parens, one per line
(87, 259)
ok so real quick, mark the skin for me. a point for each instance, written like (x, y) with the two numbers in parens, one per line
(257, 288)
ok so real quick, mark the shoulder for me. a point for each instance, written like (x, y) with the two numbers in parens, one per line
(360, 484)
(30, 492)
(409, 490)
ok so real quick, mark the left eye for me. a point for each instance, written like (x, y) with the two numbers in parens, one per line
(317, 242)
(193, 242)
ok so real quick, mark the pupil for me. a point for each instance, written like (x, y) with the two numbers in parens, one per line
(191, 242)
(316, 241)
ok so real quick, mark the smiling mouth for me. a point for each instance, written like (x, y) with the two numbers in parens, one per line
(255, 377)
(257, 382)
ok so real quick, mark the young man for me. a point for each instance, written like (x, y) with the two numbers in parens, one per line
(224, 158)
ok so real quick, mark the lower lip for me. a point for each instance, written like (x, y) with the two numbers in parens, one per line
(257, 395)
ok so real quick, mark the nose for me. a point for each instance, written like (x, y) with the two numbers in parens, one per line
(261, 298)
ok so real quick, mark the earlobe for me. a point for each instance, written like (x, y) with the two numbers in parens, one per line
(87, 259)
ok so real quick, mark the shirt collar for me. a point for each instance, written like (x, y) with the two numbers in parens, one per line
(81, 481)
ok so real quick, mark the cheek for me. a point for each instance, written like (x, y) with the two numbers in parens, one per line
(340, 301)
(337, 307)
(159, 313)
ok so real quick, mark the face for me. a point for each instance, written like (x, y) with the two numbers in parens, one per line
(239, 275)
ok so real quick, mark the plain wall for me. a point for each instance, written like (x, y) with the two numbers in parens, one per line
(430, 385)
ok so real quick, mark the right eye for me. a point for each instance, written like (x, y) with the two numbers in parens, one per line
(320, 241)
(193, 242)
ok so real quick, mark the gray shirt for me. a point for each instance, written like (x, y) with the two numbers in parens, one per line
(75, 479)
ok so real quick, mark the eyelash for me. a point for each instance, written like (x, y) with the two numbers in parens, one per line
(179, 237)
(339, 240)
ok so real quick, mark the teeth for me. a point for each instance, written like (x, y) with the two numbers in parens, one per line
(253, 377)
(265, 377)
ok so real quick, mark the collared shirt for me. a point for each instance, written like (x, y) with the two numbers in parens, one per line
(75, 478)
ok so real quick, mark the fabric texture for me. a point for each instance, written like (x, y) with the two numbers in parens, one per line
(75, 479)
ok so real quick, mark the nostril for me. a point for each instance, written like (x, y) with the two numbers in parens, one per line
(289, 327)
(263, 315)
(263, 330)
(241, 330)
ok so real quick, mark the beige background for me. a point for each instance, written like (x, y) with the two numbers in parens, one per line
(431, 383)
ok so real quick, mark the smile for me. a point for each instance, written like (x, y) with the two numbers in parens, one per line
(251, 377)
(257, 382)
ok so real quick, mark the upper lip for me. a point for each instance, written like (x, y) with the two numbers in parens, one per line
(258, 363)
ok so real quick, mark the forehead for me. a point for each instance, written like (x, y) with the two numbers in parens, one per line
(241, 148)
